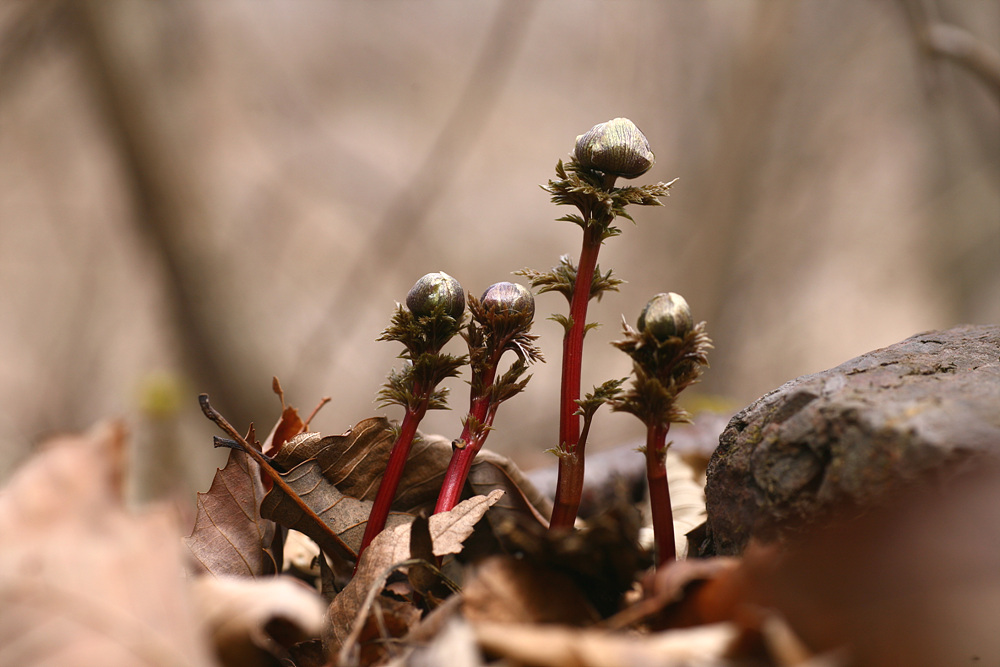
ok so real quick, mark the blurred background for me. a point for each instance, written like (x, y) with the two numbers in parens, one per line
(195, 197)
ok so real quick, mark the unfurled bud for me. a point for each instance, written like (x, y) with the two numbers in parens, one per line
(666, 315)
(433, 291)
(616, 147)
(510, 301)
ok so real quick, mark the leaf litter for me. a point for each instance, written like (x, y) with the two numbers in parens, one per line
(85, 580)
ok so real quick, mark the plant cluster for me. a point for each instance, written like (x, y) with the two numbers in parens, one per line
(352, 493)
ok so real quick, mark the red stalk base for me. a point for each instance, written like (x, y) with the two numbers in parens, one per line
(659, 493)
(462, 457)
(569, 487)
(393, 473)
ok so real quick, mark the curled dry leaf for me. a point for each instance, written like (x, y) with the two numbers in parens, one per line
(553, 646)
(337, 478)
(689, 592)
(82, 581)
(346, 617)
(254, 622)
(230, 536)
(454, 645)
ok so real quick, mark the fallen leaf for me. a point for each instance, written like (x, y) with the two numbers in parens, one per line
(254, 623)
(337, 477)
(288, 426)
(82, 581)
(344, 515)
(421, 577)
(230, 536)
(505, 589)
(493, 471)
(602, 557)
(686, 593)
(454, 645)
(355, 461)
(553, 646)
(347, 615)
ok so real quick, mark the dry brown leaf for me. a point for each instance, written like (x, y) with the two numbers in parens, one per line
(346, 615)
(689, 592)
(345, 515)
(553, 646)
(254, 622)
(356, 460)
(602, 557)
(337, 477)
(83, 582)
(288, 426)
(230, 537)
(521, 499)
(504, 589)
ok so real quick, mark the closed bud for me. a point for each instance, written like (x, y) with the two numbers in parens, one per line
(666, 315)
(434, 291)
(616, 147)
(509, 301)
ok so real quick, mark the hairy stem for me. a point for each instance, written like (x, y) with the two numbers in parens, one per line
(569, 486)
(473, 436)
(659, 493)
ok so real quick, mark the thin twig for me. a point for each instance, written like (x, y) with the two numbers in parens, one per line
(265, 465)
(323, 401)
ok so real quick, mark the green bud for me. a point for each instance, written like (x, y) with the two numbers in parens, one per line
(666, 315)
(510, 301)
(436, 290)
(616, 147)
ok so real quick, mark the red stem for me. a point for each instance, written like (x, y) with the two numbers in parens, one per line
(659, 493)
(462, 457)
(393, 473)
(569, 487)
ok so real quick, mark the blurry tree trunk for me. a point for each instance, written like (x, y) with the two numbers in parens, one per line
(123, 47)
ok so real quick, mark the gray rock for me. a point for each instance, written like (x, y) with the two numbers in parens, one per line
(844, 437)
